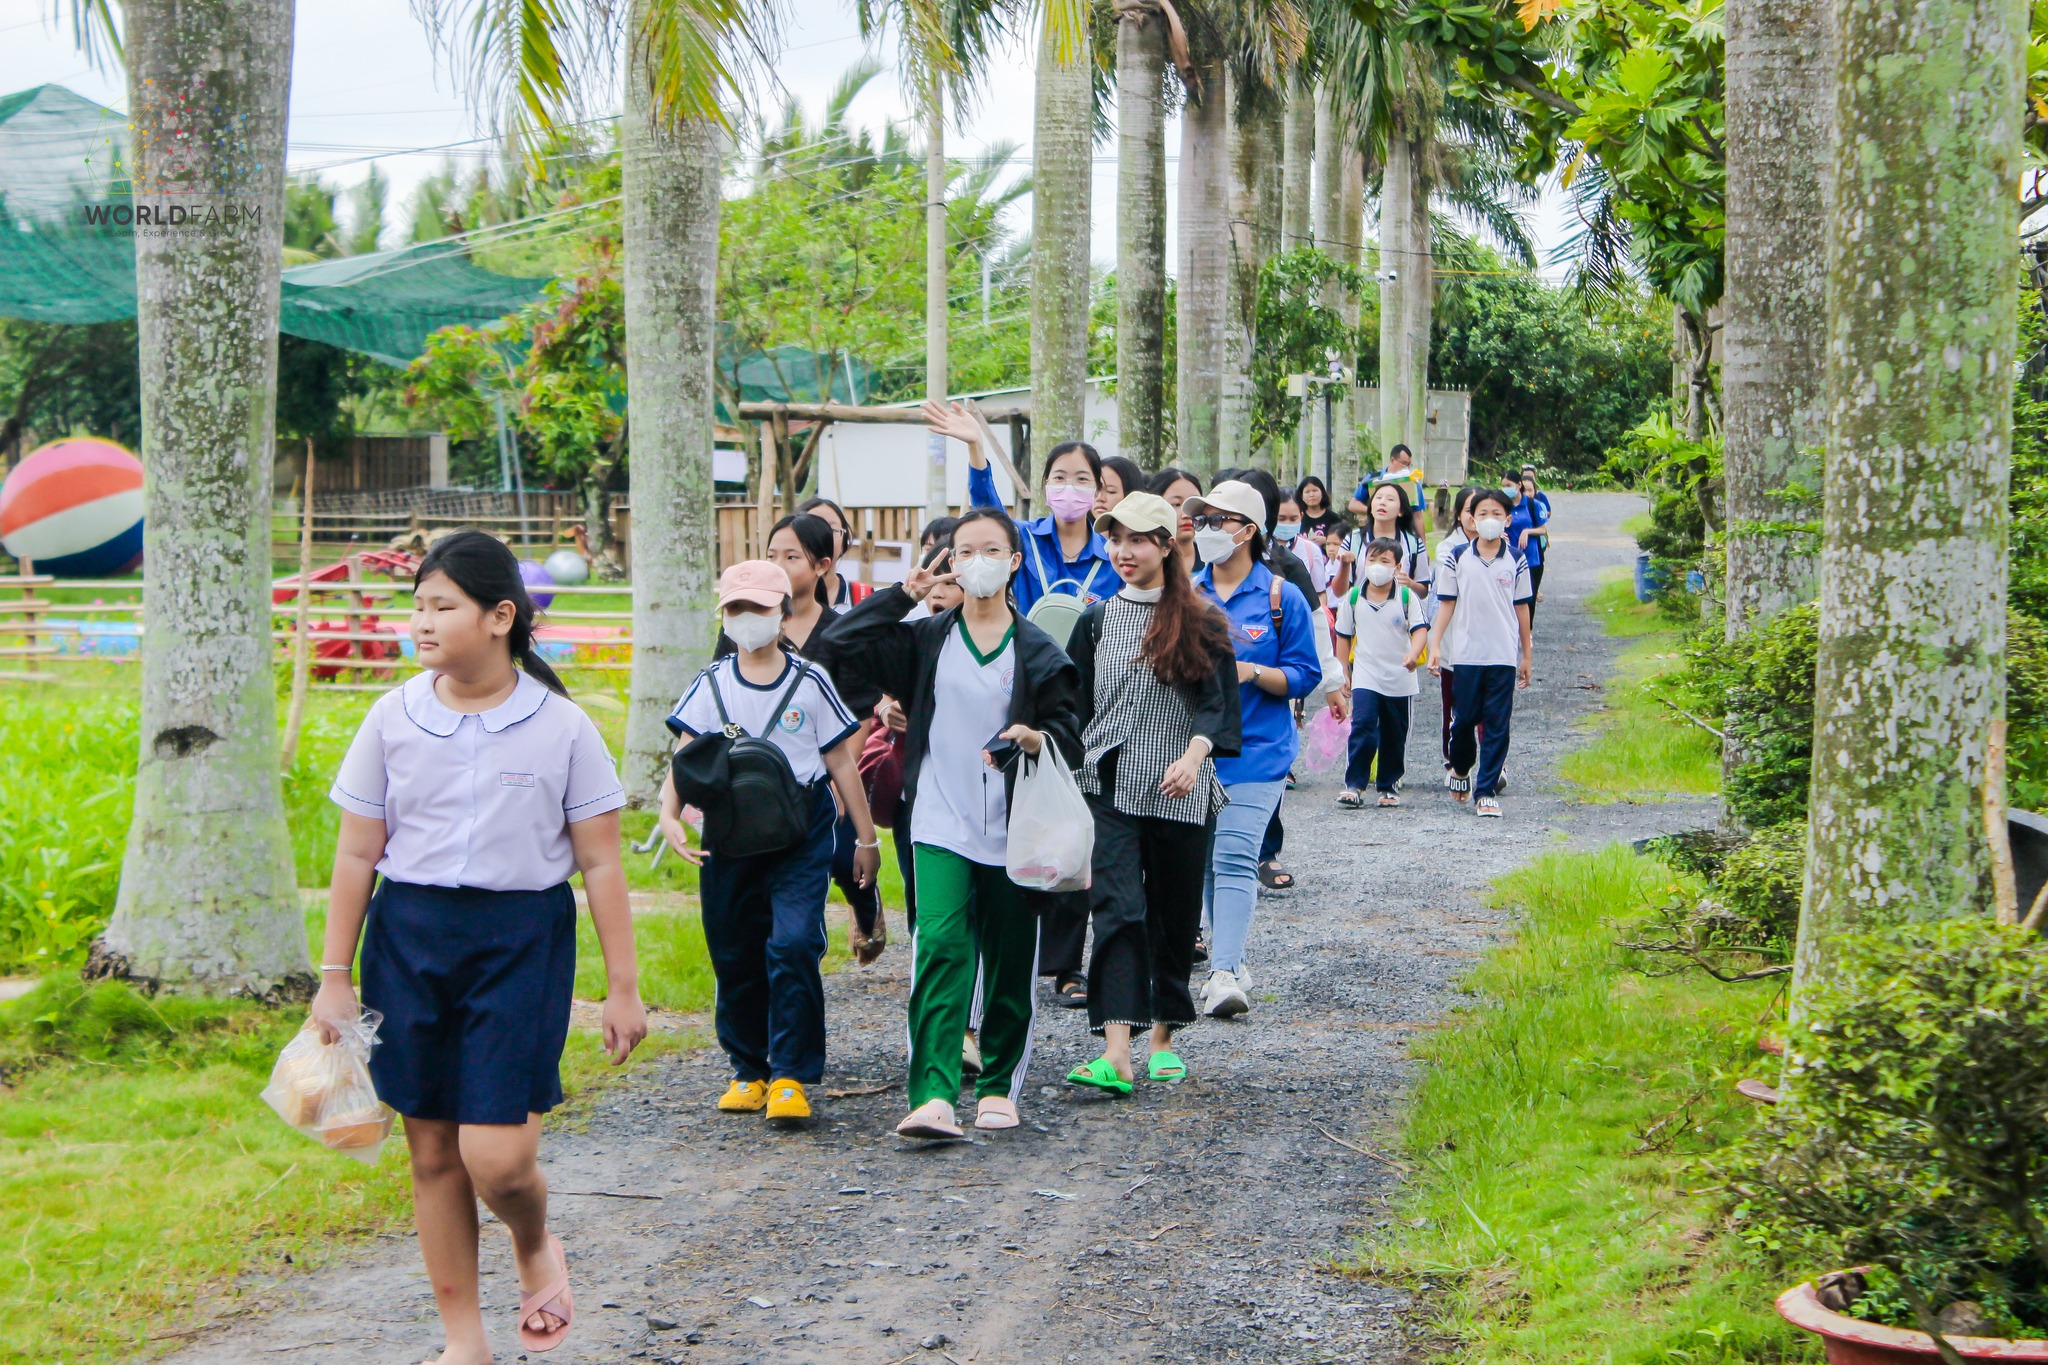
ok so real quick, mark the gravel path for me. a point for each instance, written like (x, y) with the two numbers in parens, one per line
(1190, 1223)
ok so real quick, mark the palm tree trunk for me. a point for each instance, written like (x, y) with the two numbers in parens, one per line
(1339, 232)
(1774, 358)
(937, 370)
(1141, 237)
(1418, 286)
(1911, 670)
(1201, 283)
(671, 171)
(208, 901)
(1257, 121)
(1397, 187)
(1062, 168)
(1299, 155)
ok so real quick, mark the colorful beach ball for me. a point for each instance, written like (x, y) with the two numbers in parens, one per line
(74, 508)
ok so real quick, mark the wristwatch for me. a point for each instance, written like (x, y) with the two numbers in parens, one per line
(1257, 673)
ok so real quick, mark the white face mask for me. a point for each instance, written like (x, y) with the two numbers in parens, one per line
(1379, 575)
(1214, 545)
(752, 630)
(1490, 528)
(983, 577)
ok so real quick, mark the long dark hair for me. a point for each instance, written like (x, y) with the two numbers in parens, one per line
(814, 538)
(1168, 477)
(1127, 473)
(1187, 635)
(813, 504)
(486, 571)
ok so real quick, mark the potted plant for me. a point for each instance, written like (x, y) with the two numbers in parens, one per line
(1913, 1144)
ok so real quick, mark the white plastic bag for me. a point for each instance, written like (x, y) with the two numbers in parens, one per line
(1052, 832)
(324, 1089)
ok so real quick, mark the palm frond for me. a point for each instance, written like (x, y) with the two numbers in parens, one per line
(95, 31)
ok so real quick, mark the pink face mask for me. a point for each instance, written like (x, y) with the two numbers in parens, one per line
(1069, 503)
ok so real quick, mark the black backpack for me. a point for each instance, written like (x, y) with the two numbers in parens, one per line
(726, 771)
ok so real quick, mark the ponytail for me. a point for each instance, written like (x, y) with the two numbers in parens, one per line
(487, 572)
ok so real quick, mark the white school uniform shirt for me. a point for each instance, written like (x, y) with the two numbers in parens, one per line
(961, 803)
(1379, 633)
(1440, 573)
(481, 799)
(813, 720)
(1486, 630)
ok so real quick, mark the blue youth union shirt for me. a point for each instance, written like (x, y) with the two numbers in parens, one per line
(1091, 577)
(1270, 741)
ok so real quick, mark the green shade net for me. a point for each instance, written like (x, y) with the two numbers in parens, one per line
(63, 259)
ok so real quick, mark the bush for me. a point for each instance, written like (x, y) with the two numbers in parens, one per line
(1762, 686)
(1760, 885)
(1914, 1136)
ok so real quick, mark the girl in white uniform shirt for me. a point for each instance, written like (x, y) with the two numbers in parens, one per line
(764, 916)
(474, 791)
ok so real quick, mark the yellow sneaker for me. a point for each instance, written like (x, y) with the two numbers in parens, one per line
(786, 1100)
(744, 1097)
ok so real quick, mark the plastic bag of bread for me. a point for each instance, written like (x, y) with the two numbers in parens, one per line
(324, 1089)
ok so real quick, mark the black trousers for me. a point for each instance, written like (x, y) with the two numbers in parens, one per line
(1535, 586)
(1485, 706)
(1062, 930)
(1379, 730)
(864, 901)
(1147, 907)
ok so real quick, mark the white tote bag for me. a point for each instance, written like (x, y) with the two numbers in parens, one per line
(1052, 832)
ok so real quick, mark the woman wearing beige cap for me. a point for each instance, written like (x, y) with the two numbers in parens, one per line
(1159, 703)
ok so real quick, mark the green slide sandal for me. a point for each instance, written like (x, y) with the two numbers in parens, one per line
(1099, 1075)
(1166, 1066)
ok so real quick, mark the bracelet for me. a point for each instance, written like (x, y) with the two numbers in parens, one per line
(875, 843)
(330, 967)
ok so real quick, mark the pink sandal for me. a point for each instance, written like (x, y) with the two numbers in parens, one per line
(552, 1298)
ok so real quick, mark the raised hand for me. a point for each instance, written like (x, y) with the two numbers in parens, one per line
(925, 577)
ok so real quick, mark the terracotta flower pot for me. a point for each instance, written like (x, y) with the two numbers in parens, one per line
(1852, 1341)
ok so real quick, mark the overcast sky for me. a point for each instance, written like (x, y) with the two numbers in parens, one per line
(368, 89)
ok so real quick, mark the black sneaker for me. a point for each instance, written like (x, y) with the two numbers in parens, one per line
(1201, 962)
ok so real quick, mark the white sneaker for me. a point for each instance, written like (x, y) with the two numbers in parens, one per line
(1222, 997)
(1244, 976)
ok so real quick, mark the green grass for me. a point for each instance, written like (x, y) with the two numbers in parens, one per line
(1640, 749)
(140, 1174)
(1553, 1234)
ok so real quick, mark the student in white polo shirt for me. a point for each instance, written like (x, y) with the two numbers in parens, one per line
(764, 913)
(1484, 616)
(469, 797)
(1379, 631)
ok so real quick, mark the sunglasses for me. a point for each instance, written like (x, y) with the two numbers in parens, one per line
(1218, 521)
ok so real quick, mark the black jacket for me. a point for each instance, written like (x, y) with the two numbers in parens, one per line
(1213, 705)
(878, 649)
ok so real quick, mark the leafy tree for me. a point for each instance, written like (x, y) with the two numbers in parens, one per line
(56, 379)
(1296, 332)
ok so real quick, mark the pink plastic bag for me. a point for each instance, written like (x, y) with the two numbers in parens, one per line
(1325, 742)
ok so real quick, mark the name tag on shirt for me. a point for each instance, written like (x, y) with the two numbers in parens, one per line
(515, 779)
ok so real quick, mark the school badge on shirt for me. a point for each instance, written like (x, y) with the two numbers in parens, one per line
(515, 779)
(792, 719)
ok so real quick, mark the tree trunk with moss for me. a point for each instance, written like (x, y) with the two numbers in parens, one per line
(1780, 112)
(671, 171)
(1397, 189)
(1921, 318)
(1418, 287)
(1257, 139)
(208, 902)
(1297, 211)
(1141, 236)
(1340, 232)
(1061, 171)
(1201, 282)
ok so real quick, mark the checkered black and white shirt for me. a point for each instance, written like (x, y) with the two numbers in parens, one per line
(1144, 718)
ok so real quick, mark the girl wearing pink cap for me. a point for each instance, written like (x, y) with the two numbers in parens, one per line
(764, 912)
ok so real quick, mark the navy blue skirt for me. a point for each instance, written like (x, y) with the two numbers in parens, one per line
(474, 987)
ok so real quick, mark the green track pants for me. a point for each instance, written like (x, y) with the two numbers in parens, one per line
(969, 914)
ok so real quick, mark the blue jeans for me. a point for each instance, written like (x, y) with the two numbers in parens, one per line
(1231, 889)
(764, 926)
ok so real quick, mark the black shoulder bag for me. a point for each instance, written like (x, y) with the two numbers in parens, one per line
(726, 771)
